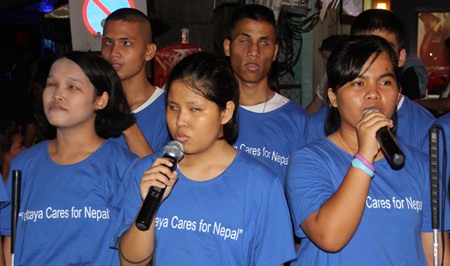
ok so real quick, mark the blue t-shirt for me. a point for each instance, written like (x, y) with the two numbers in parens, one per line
(237, 218)
(152, 122)
(414, 122)
(315, 129)
(273, 136)
(69, 213)
(397, 208)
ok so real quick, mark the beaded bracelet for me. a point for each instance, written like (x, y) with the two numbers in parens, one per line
(365, 162)
(358, 164)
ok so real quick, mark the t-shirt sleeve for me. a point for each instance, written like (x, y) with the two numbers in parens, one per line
(276, 237)
(5, 213)
(307, 186)
(133, 198)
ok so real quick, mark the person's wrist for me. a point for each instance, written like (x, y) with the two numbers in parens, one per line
(356, 163)
(365, 161)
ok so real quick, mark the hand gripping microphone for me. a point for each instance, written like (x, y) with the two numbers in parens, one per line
(174, 152)
(389, 146)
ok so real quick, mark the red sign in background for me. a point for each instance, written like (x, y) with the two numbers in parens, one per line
(94, 13)
(168, 57)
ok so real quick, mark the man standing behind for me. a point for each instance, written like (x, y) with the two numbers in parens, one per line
(127, 45)
(270, 125)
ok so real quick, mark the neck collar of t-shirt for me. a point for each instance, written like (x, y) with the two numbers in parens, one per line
(158, 91)
(274, 103)
(399, 105)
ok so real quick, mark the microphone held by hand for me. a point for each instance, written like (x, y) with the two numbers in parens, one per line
(389, 146)
(174, 152)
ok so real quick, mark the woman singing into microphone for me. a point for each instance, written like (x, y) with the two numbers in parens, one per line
(348, 205)
(221, 206)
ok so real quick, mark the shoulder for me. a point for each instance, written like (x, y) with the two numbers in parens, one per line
(320, 150)
(444, 122)
(30, 153)
(416, 161)
(320, 115)
(289, 104)
(252, 168)
(410, 107)
(288, 111)
(144, 163)
(113, 150)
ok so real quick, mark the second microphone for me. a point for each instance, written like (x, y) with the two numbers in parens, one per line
(174, 152)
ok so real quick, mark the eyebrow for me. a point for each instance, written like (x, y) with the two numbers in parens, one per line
(387, 74)
(248, 35)
(78, 81)
(120, 38)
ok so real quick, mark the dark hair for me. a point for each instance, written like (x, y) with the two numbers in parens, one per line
(380, 19)
(332, 41)
(210, 76)
(131, 15)
(116, 116)
(346, 64)
(8, 129)
(254, 12)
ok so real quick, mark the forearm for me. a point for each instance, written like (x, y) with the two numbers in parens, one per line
(7, 250)
(137, 246)
(136, 141)
(334, 224)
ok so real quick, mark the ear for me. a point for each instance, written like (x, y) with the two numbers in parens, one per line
(401, 57)
(276, 52)
(399, 97)
(102, 101)
(228, 112)
(150, 51)
(226, 46)
(332, 98)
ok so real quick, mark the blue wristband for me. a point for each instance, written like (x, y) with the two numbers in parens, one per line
(358, 164)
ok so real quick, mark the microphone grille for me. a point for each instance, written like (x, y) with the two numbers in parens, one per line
(174, 149)
(369, 109)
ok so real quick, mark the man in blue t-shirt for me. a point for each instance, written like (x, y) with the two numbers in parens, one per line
(270, 125)
(127, 45)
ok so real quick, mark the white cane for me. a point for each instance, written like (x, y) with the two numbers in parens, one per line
(434, 185)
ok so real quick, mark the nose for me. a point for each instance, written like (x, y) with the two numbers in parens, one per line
(115, 50)
(56, 94)
(182, 118)
(373, 92)
(253, 49)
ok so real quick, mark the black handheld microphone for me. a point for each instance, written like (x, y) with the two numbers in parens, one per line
(389, 146)
(174, 152)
